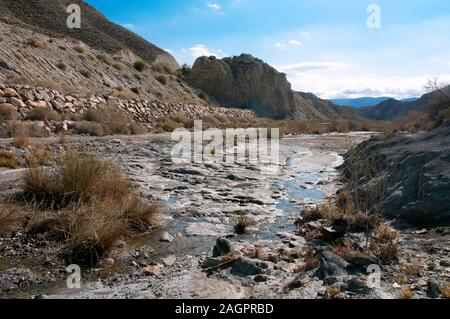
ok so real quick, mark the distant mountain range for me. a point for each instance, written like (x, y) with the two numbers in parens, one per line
(391, 109)
(366, 101)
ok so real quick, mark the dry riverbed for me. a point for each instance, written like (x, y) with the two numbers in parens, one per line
(199, 204)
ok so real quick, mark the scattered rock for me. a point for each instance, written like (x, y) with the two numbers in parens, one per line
(261, 278)
(332, 265)
(433, 289)
(169, 261)
(223, 247)
(249, 267)
(166, 237)
(151, 270)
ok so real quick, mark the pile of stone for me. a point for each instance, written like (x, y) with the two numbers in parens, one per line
(24, 98)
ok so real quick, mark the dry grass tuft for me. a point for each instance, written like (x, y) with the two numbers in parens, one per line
(21, 141)
(242, 224)
(8, 112)
(406, 293)
(332, 292)
(384, 233)
(109, 120)
(446, 291)
(42, 114)
(96, 204)
(311, 262)
(9, 215)
(411, 269)
(79, 177)
(37, 155)
(37, 43)
(8, 159)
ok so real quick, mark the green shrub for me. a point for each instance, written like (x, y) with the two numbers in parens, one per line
(140, 65)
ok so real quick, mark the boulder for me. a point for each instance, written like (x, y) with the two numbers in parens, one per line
(223, 247)
(332, 265)
(249, 267)
(166, 237)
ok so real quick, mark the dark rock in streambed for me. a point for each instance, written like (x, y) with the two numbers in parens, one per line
(223, 247)
(249, 267)
(332, 265)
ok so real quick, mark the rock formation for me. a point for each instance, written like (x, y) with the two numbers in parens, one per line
(245, 81)
(248, 82)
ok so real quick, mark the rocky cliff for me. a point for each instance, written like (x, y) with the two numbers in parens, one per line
(406, 176)
(248, 82)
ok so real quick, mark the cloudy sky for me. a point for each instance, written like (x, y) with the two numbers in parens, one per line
(328, 47)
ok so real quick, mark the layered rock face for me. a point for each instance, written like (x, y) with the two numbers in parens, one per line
(410, 175)
(245, 82)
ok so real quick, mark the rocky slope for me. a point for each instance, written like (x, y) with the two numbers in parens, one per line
(50, 16)
(27, 57)
(392, 109)
(408, 174)
(248, 82)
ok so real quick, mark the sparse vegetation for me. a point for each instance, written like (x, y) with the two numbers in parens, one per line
(85, 73)
(61, 66)
(242, 224)
(97, 204)
(8, 112)
(108, 120)
(8, 159)
(21, 141)
(37, 43)
(411, 269)
(105, 59)
(37, 155)
(186, 69)
(445, 291)
(118, 66)
(80, 49)
(9, 215)
(332, 292)
(43, 114)
(162, 79)
(140, 65)
(311, 262)
(406, 293)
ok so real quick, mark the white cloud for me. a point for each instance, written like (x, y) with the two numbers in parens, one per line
(305, 35)
(285, 44)
(312, 66)
(128, 26)
(295, 42)
(202, 50)
(214, 6)
(331, 82)
(169, 50)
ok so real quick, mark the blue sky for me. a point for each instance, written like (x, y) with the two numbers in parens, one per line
(324, 46)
